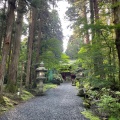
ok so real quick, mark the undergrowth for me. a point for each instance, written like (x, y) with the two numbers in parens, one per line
(9, 100)
(90, 115)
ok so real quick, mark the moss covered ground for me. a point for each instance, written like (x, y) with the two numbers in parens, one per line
(88, 114)
(9, 100)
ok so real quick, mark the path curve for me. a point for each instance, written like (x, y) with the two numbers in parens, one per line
(60, 103)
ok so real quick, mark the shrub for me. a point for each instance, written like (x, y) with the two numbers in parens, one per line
(110, 105)
(57, 79)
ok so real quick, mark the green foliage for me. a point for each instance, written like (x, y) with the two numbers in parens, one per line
(23, 50)
(116, 4)
(52, 25)
(26, 95)
(51, 51)
(110, 105)
(90, 115)
(49, 86)
(113, 118)
(98, 58)
(71, 13)
(50, 60)
(34, 3)
(64, 68)
(88, 57)
(85, 57)
(6, 104)
(55, 25)
(73, 47)
(55, 46)
(24, 30)
(2, 100)
(77, 84)
(57, 79)
(11, 88)
(64, 58)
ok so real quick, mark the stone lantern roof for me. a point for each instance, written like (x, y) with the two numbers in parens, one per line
(41, 68)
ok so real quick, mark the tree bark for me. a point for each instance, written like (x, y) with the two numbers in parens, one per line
(98, 58)
(2, 32)
(9, 23)
(91, 12)
(91, 17)
(37, 51)
(16, 48)
(96, 11)
(38, 42)
(86, 22)
(116, 10)
(30, 42)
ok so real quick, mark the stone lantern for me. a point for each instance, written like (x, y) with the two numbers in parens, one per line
(41, 77)
(79, 76)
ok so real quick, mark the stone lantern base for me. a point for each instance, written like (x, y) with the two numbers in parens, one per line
(40, 87)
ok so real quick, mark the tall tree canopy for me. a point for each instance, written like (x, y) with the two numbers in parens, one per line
(31, 32)
(93, 26)
(44, 40)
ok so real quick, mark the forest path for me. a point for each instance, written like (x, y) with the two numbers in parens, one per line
(60, 103)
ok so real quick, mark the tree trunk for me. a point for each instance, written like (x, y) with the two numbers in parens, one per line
(9, 23)
(96, 11)
(37, 51)
(91, 12)
(91, 17)
(114, 61)
(116, 12)
(86, 22)
(30, 42)
(38, 42)
(16, 48)
(98, 58)
(2, 31)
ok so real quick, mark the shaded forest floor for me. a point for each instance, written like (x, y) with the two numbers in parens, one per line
(10, 100)
(61, 103)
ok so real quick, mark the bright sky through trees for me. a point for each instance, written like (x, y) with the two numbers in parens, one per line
(62, 8)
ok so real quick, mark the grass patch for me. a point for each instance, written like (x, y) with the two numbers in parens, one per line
(89, 115)
(6, 104)
(26, 95)
(9, 100)
(113, 118)
(77, 84)
(48, 86)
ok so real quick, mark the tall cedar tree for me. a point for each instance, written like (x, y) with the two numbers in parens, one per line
(116, 12)
(6, 46)
(2, 26)
(16, 46)
(30, 42)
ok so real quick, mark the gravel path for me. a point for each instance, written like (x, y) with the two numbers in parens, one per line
(58, 104)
